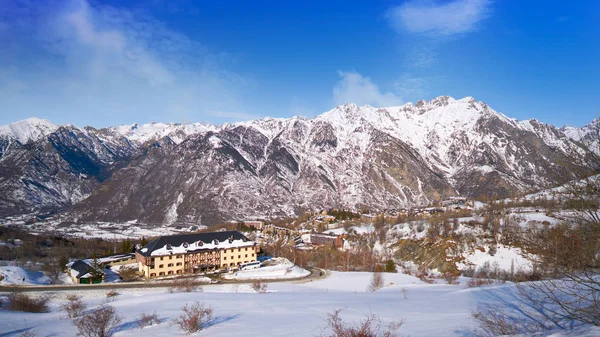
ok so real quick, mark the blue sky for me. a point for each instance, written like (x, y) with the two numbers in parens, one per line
(103, 63)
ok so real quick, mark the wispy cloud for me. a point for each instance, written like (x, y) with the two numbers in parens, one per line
(355, 88)
(103, 65)
(438, 18)
(412, 87)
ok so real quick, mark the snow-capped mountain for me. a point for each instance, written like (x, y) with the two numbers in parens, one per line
(588, 134)
(351, 156)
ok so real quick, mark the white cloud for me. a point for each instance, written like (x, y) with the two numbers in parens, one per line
(355, 88)
(437, 18)
(82, 62)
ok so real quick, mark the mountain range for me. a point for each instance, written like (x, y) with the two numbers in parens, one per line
(357, 157)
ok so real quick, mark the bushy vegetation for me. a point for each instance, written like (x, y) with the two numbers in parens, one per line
(74, 306)
(19, 301)
(146, 320)
(188, 284)
(101, 322)
(371, 326)
(376, 282)
(194, 317)
(259, 286)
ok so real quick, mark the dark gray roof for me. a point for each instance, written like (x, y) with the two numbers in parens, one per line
(83, 268)
(178, 240)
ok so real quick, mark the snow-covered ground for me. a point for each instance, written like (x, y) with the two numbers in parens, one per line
(287, 309)
(505, 258)
(277, 268)
(18, 275)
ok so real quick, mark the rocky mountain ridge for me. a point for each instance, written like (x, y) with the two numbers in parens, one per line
(351, 156)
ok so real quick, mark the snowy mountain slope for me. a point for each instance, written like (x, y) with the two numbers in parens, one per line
(350, 156)
(589, 134)
(28, 130)
(58, 170)
(155, 131)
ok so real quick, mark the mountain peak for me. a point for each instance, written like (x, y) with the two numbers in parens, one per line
(28, 130)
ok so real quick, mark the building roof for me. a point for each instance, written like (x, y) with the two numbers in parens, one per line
(190, 242)
(83, 268)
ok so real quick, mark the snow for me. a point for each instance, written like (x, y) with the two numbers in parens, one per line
(154, 131)
(28, 130)
(18, 275)
(505, 258)
(191, 246)
(287, 309)
(281, 269)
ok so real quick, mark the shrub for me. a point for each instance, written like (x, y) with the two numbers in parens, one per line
(424, 275)
(451, 278)
(102, 322)
(495, 323)
(147, 320)
(259, 287)
(185, 285)
(74, 306)
(390, 267)
(371, 326)
(478, 282)
(111, 295)
(376, 282)
(18, 301)
(194, 317)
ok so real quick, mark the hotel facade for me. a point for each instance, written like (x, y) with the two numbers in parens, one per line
(195, 253)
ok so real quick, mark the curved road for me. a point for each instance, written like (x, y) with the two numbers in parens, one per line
(315, 274)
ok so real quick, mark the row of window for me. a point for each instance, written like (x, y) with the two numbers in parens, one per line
(171, 257)
(239, 257)
(232, 264)
(170, 272)
(168, 265)
(179, 256)
(233, 250)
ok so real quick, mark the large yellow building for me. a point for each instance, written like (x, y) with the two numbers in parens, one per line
(193, 253)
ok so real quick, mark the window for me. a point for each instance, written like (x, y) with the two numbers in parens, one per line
(153, 275)
(161, 265)
(239, 249)
(225, 258)
(170, 257)
(239, 256)
(246, 249)
(232, 264)
(170, 265)
(246, 255)
(170, 272)
(151, 267)
(178, 263)
(161, 258)
(179, 271)
(162, 273)
(179, 256)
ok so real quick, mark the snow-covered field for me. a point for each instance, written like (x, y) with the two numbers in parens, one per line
(18, 275)
(280, 268)
(287, 309)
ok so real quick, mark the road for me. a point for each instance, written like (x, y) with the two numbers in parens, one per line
(315, 274)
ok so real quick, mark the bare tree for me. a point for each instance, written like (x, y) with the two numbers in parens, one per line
(102, 322)
(194, 318)
(376, 281)
(371, 326)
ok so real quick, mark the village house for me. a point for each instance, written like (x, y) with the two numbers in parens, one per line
(83, 272)
(194, 253)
